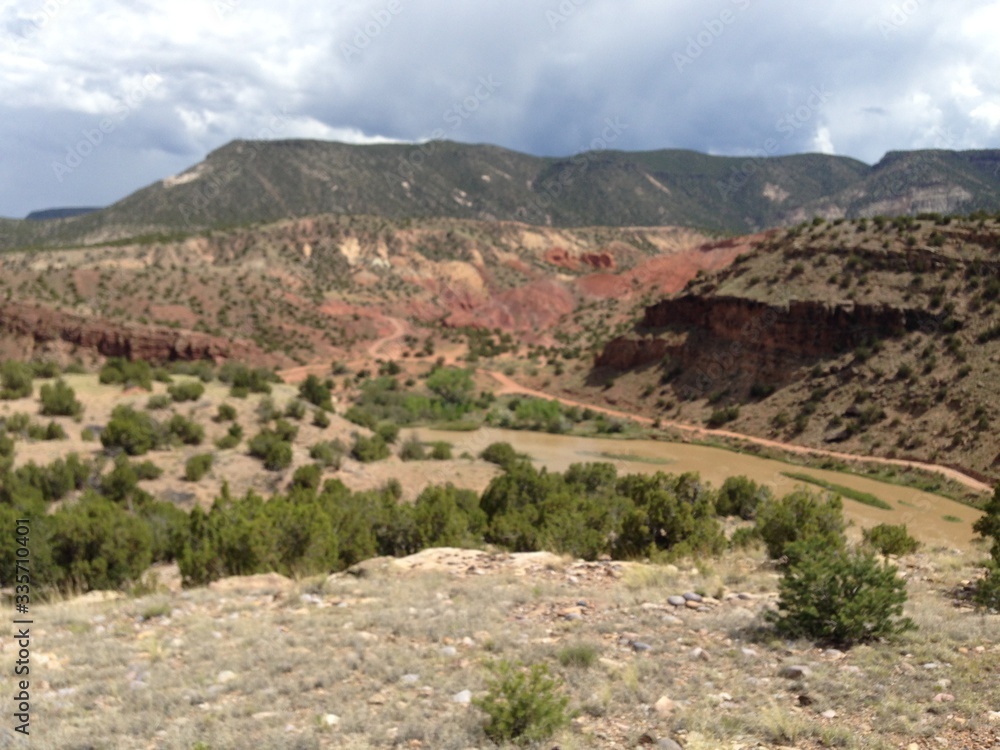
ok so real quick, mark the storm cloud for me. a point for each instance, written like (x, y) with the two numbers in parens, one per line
(98, 99)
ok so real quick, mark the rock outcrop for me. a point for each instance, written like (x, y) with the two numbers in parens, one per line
(732, 342)
(625, 353)
(111, 339)
(805, 328)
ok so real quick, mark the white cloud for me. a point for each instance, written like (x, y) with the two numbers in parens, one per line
(987, 113)
(228, 65)
(822, 142)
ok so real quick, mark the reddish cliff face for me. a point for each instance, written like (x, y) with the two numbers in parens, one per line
(624, 353)
(733, 342)
(559, 256)
(804, 328)
(155, 344)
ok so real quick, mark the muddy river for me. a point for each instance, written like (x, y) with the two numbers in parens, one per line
(934, 520)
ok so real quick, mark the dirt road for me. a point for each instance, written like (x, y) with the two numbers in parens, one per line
(508, 385)
(374, 351)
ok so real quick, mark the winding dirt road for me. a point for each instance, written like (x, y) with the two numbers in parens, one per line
(398, 331)
(294, 375)
(509, 385)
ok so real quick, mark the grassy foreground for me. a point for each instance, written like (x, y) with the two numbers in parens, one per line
(382, 659)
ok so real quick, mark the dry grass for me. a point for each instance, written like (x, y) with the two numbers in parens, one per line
(153, 671)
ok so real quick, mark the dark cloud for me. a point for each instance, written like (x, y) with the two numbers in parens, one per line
(722, 76)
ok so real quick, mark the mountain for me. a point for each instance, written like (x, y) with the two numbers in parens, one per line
(59, 213)
(879, 337)
(248, 182)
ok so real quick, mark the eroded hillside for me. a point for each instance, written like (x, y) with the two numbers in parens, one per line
(311, 289)
(878, 336)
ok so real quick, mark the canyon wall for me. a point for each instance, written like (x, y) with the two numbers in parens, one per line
(38, 326)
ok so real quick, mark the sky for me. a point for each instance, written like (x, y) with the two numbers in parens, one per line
(101, 98)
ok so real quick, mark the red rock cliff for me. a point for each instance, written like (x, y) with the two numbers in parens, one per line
(112, 339)
(732, 342)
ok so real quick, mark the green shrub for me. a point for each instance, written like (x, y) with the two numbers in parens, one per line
(889, 539)
(244, 380)
(87, 435)
(369, 449)
(269, 447)
(51, 431)
(267, 410)
(740, 496)
(447, 517)
(321, 419)
(186, 430)
(232, 438)
(307, 477)
(200, 368)
(988, 527)
(388, 431)
(285, 430)
(501, 454)
(51, 482)
(524, 705)
(128, 374)
(362, 417)
(15, 380)
(295, 409)
(412, 450)
(293, 535)
(316, 393)
(96, 544)
(158, 401)
(453, 385)
(227, 442)
(16, 423)
(671, 515)
(197, 466)
(134, 432)
(59, 400)
(121, 484)
(192, 390)
(441, 450)
(720, 417)
(987, 593)
(147, 470)
(800, 515)
(44, 369)
(832, 595)
(329, 454)
(225, 413)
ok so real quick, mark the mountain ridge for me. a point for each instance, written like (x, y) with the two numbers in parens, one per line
(247, 182)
